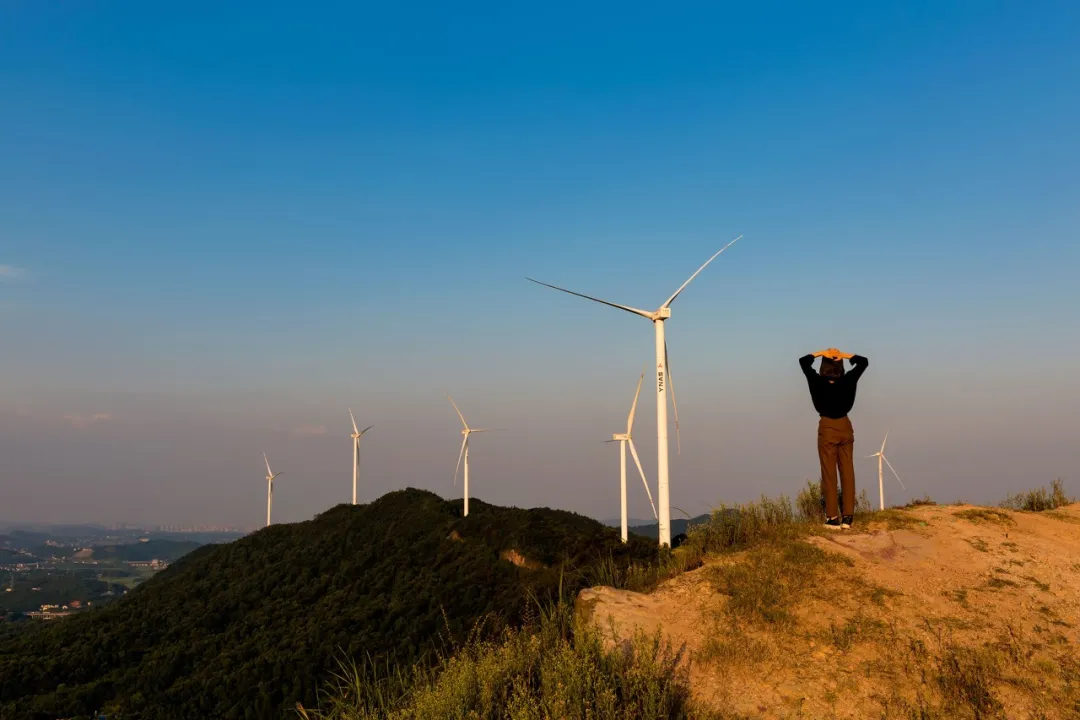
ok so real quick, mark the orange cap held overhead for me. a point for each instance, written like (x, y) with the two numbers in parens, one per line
(833, 354)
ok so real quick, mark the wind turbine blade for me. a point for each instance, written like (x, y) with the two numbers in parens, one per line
(464, 442)
(674, 405)
(884, 441)
(683, 512)
(365, 429)
(268, 470)
(683, 286)
(458, 411)
(627, 308)
(351, 417)
(893, 471)
(633, 408)
(637, 461)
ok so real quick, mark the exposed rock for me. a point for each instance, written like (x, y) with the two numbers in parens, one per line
(520, 560)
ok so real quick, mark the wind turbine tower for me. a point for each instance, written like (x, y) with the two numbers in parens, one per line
(663, 383)
(270, 475)
(880, 455)
(623, 439)
(356, 435)
(464, 453)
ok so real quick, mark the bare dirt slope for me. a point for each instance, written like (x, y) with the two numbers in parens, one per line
(935, 612)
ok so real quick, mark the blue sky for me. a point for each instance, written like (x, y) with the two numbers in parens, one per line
(222, 224)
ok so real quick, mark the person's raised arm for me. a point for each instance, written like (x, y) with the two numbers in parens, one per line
(859, 365)
(806, 362)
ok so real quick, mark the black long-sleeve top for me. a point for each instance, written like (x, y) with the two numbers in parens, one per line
(833, 397)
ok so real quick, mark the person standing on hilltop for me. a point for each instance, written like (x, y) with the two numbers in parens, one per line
(833, 393)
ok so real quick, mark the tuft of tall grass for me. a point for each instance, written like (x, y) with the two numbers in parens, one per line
(642, 577)
(556, 667)
(810, 503)
(1039, 499)
(741, 526)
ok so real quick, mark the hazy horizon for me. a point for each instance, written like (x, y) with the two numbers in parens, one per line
(221, 229)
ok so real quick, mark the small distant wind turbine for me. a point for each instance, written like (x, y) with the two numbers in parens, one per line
(663, 382)
(356, 435)
(880, 455)
(623, 439)
(464, 454)
(270, 475)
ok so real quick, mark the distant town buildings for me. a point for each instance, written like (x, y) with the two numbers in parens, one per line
(198, 529)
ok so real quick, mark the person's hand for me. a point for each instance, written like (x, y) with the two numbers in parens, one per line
(835, 354)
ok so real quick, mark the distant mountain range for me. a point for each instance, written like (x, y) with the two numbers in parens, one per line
(678, 526)
(630, 522)
(649, 528)
(248, 629)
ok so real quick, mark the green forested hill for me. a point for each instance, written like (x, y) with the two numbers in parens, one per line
(247, 629)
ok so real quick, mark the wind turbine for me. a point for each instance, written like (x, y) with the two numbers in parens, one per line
(663, 381)
(466, 431)
(270, 475)
(356, 435)
(880, 455)
(623, 439)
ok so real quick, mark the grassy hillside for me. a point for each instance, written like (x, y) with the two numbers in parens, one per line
(248, 629)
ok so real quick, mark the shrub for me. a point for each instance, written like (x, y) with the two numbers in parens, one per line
(1039, 499)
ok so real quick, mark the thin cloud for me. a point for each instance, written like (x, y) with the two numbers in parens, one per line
(82, 421)
(10, 272)
(309, 430)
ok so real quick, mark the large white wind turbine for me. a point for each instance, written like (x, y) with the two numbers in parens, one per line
(356, 435)
(623, 439)
(663, 381)
(464, 454)
(270, 475)
(880, 455)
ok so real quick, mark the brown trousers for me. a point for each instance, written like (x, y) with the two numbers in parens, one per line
(836, 443)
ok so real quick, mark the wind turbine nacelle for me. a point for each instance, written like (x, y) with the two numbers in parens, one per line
(663, 313)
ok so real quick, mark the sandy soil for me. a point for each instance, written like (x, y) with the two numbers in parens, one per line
(928, 596)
